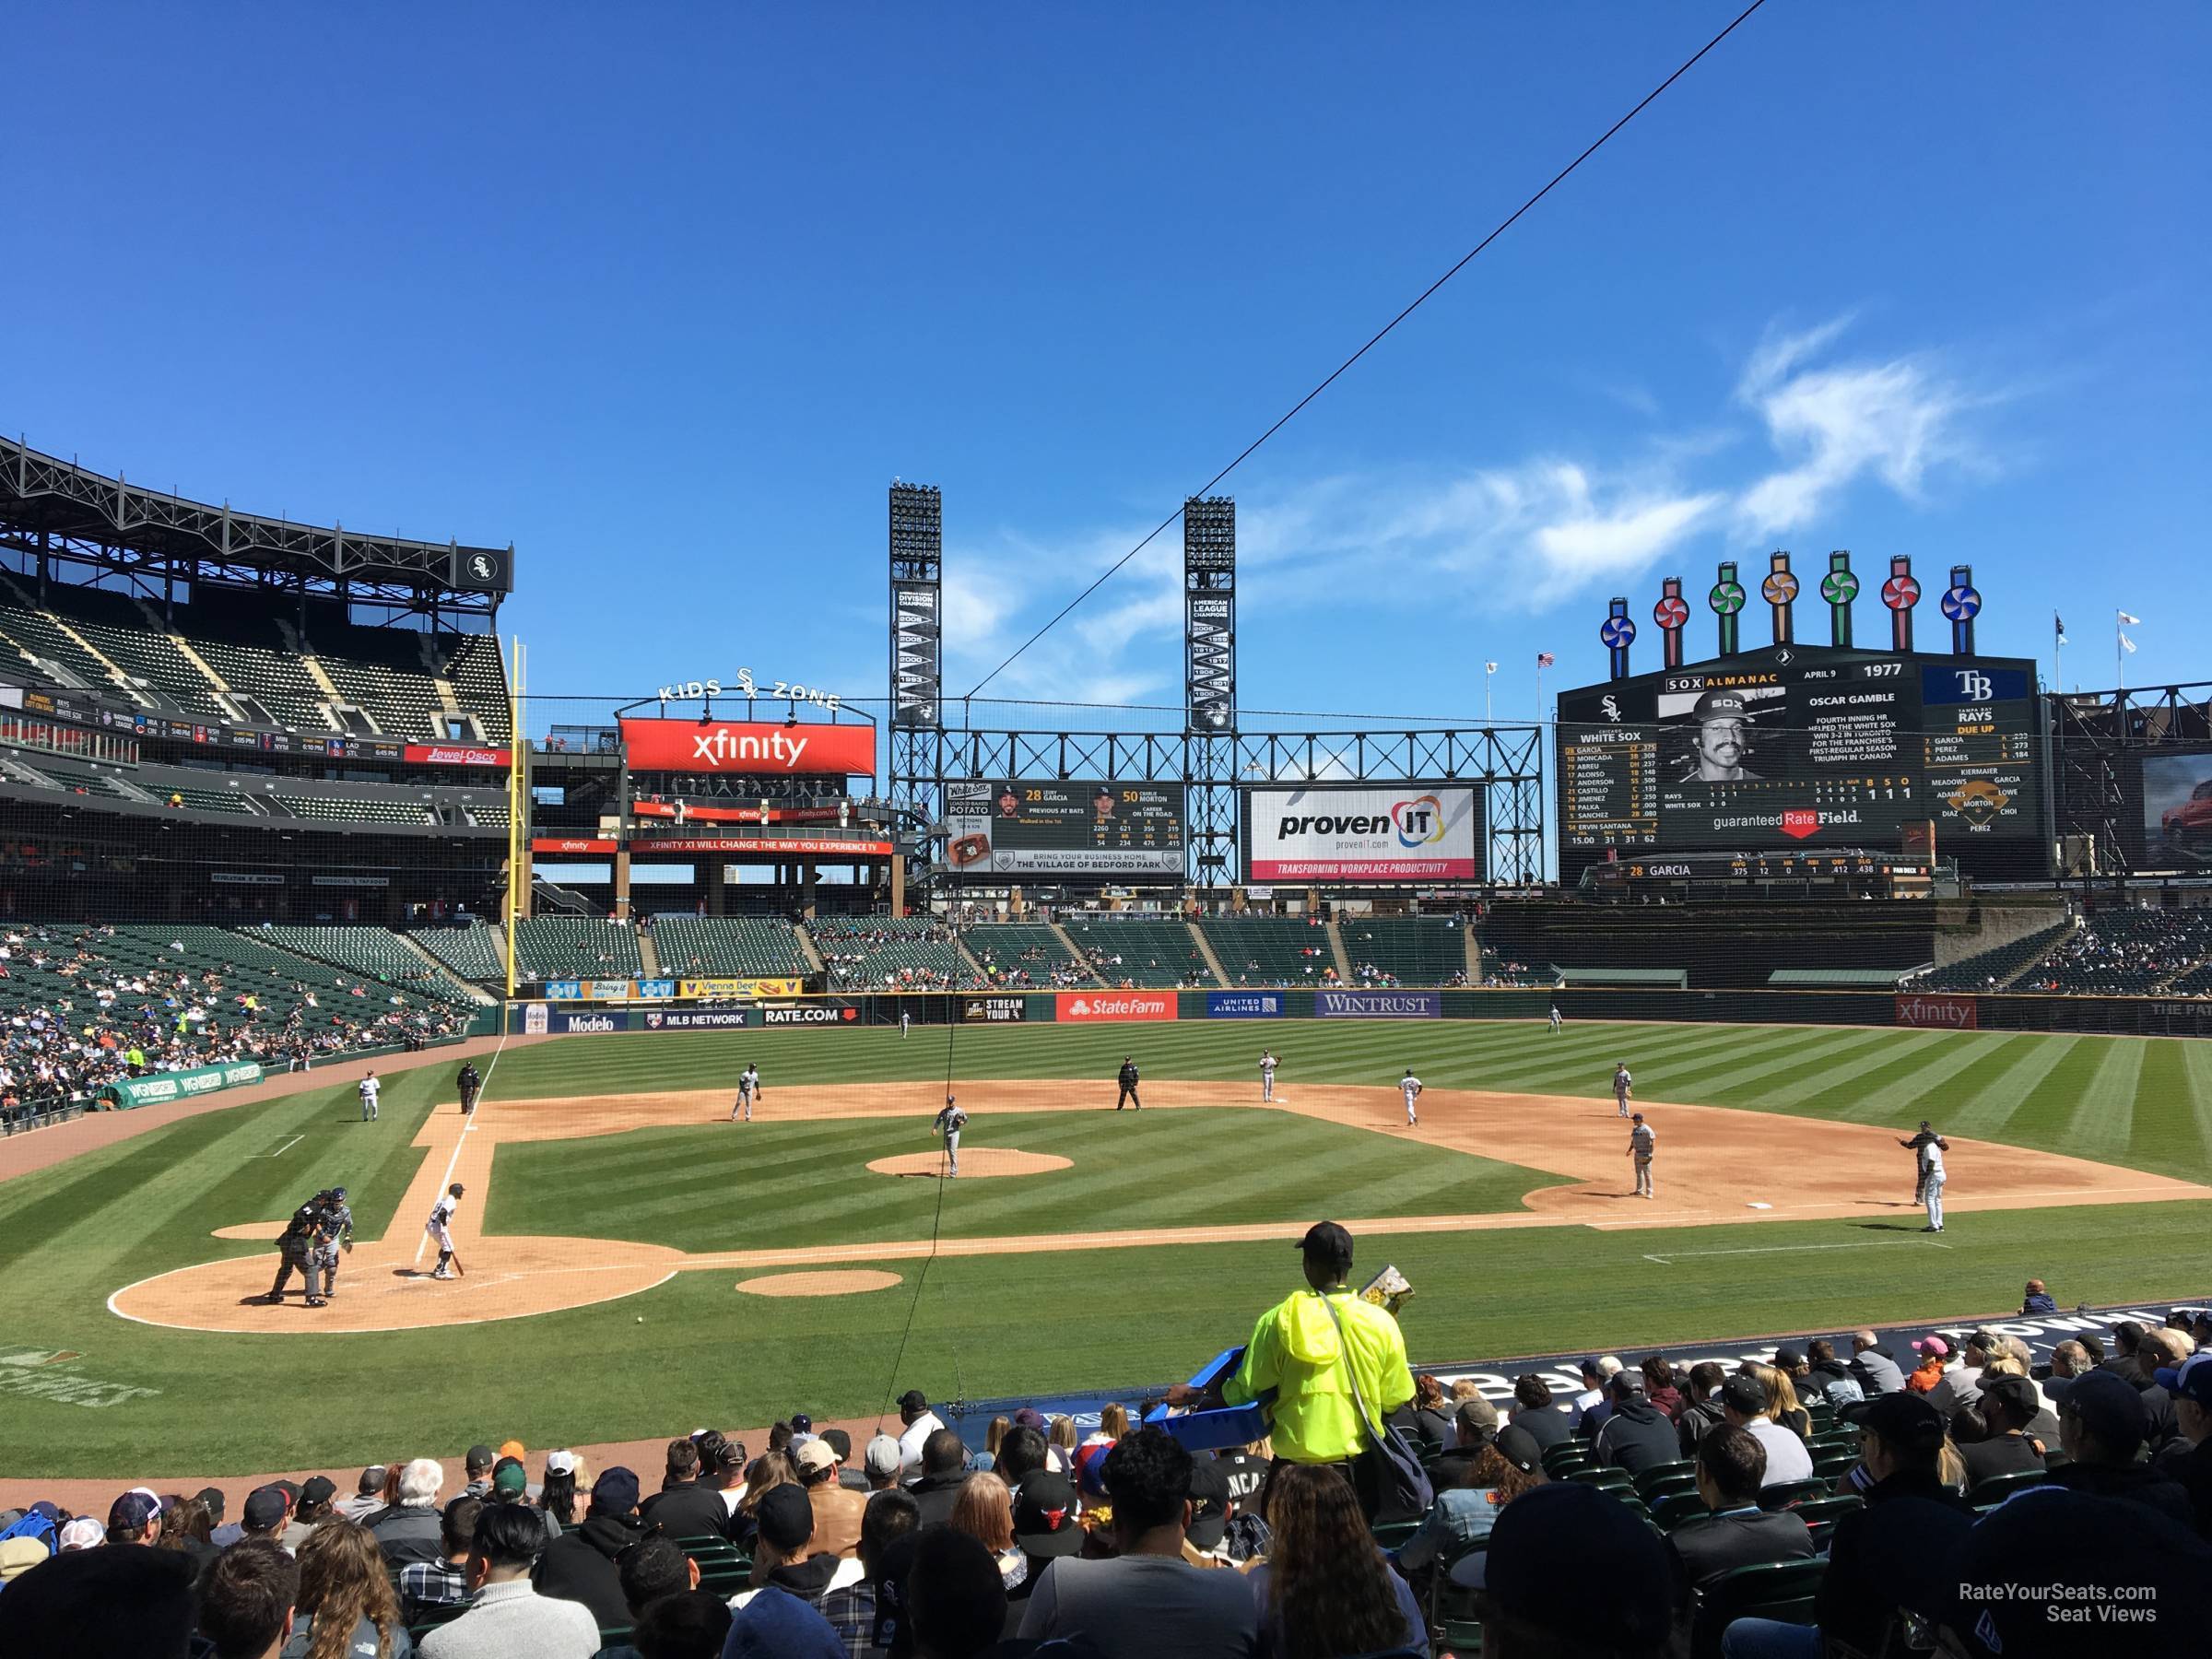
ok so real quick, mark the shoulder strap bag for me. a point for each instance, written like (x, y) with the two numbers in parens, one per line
(1393, 1467)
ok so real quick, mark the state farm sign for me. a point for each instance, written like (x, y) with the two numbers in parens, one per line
(1940, 1011)
(452, 754)
(1081, 1006)
(749, 746)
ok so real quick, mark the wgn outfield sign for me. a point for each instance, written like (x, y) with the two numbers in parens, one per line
(178, 1085)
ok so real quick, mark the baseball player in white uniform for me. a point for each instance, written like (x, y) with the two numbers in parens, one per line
(1931, 1184)
(949, 1123)
(1557, 1017)
(905, 1019)
(440, 1227)
(748, 1085)
(1639, 1150)
(1267, 1065)
(1410, 1086)
(1622, 1083)
(370, 1086)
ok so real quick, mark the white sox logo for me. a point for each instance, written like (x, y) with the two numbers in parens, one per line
(1611, 706)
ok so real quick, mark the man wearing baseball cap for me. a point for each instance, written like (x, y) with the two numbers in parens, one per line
(2102, 1424)
(917, 1422)
(2008, 1405)
(1721, 717)
(1537, 1576)
(582, 1564)
(135, 1518)
(2190, 1383)
(1314, 1351)
(837, 1513)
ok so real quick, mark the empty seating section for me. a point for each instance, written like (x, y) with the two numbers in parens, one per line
(1271, 950)
(351, 809)
(1405, 950)
(276, 681)
(887, 952)
(214, 800)
(491, 816)
(373, 951)
(153, 660)
(403, 703)
(39, 639)
(1989, 969)
(1023, 953)
(475, 953)
(737, 947)
(1147, 953)
(575, 948)
(479, 680)
(2124, 953)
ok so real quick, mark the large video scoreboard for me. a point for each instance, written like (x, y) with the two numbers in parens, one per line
(1805, 746)
(1021, 826)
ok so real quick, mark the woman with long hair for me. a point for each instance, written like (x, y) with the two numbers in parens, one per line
(347, 1606)
(1781, 1401)
(187, 1528)
(992, 1436)
(1466, 1513)
(1060, 1445)
(1324, 1591)
(772, 1470)
(1659, 1387)
(557, 1497)
(984, 1509)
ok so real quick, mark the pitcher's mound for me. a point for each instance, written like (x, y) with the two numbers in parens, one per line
(976, 1163)
(819, 1284)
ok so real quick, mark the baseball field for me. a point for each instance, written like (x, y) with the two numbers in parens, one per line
(635, 1264)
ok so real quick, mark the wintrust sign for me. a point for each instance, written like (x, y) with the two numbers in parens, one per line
(747, 747)
(1940, 1011)
(1100, 1006)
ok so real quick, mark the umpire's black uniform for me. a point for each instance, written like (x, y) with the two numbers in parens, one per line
(1128, 1078)
(470, 1084)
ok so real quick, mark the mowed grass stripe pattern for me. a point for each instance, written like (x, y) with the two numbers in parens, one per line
(785, 1185)
(2141, 1102)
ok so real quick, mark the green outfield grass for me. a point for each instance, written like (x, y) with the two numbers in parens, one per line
(233, 1403)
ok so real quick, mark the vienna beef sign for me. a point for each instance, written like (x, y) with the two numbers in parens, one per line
(749, 747)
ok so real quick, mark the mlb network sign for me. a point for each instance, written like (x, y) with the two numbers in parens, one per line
(1410, 833)
(1378, 1005)
(1243, 1005)
(1100, 1006)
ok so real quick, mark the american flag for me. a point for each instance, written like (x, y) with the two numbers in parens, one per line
(1544, 659)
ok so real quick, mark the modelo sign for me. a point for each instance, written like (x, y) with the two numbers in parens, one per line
(1102, 1006)
(749, 746)
(1940, 1011)
(1378, 1005)
(1408, 833)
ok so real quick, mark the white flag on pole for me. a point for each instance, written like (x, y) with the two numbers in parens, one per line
(2127, 645)
(1490, 667)
(2131, 622)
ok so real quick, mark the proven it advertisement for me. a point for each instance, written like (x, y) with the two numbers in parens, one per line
(1412, 832)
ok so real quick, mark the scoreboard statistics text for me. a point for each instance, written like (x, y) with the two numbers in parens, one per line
(1022, 827)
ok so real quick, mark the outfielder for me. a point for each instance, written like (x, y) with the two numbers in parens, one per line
(1919, 1147)
(1410, 1086)
(905, 1019)
(440, 1227)
(1557, 1018)
(748, 1085)
(470, 1085)
(295, 1245)
(1622, 1083)
(370, 1086)
(1267, 1065)
(1639, 1149)
(1931, 1182)
(949, 1123)
(335, 1231)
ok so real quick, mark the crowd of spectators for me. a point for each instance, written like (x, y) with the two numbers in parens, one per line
(2123, 953)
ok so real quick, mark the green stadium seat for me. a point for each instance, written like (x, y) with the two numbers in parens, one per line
(1784, 1494)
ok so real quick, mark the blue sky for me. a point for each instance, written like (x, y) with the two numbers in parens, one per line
(667, 297)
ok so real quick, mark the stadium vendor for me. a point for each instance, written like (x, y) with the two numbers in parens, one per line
(1308, 1351)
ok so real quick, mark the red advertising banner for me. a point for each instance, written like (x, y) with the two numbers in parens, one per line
(755, 747)
(569, 844)
(452, 754)
(1097, 1006)
(1939, 1010)
(814, 846)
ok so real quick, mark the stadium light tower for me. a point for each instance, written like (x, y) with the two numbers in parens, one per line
(917, 549)
(1209, 686)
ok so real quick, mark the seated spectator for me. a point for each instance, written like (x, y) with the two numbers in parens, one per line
(407, 1530)
(722, 1472)
(1147, 1601)
(2101, 1425)
(426, 1586)
(101, 1604)
(956, 1604)
(1637, 1435)
(1929, 1370)
(770, 1470)
(1659, 1387)
(1474, 1426)
(557, 1494)
(2190, 1383)
(655, 1566)
(1021, 1454)
(476, 1470)
(685, 1624)
(784, 1559)
(1701, 1408)
(1961, 1384)
(1872, 1369)
(247, 1601)
(1744, 1404)
(890, 1516)
(1428, 1416)
(264, 1515)
(1326, 1590)
(1826, 1377)
(2126, 1335)
(1537, 1577)
(2009, 1407)
(781, 1619)
(881, 1463)
(1465, 1512)
(984, 1510)
(683, 1506)
(580, 1565)
(1594, 1404)
(344, 1586)
(135, 1518)
(2037, 1300)
(837, 1512)
(187, 1528)
(1732, 1467)
(506, 1615)
(2076, 1549)
(1537, 1415)
(944, 1468)
(2159, 1350)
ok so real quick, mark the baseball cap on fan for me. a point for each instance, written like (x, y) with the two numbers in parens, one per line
(815, 1455)
(882, 1457)
(1209, 1505)
(2191, 1379)
(1044, 1516)
(1327, 1243)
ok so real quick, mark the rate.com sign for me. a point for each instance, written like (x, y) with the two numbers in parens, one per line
(810, 1014)
(1098, 1006)
(1412, 832)
(748, 746)
(1938, 1011)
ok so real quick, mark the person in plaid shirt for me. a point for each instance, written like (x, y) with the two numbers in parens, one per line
(426, 1586)
(850, 1609)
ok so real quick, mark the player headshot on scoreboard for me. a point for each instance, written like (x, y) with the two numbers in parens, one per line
(1102, 803)
(1009, 803)
(1720, 728)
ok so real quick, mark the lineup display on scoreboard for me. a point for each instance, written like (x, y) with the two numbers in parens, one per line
(1802, 745)
(1024, 827)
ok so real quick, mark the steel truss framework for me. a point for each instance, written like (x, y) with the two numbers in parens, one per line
(1209, 689)
(2099, 740)
(59, 515)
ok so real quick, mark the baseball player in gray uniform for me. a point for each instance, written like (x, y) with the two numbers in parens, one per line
(1622, 1083)
(1919, 1146)
(1639, 1149)
(748, 1085)
(949, 1123)
(334, 1234)
(1410, 1086)
(440, 1229)
(1267, 1065)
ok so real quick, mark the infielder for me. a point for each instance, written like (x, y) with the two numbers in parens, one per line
(1931, 1182)
(1557, 1018)
(296, 1246)
(370, 1086)
(1918, 1145)
(1639, 1149)
(1410, 1086)
(949, 1123)
(1267, 1065)
(470, 1085)
(335, 1231)
(1622, 1083)
(440, 1229)
(748, 1085)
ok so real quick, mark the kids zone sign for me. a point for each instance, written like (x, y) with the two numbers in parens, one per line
(1408, 833)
